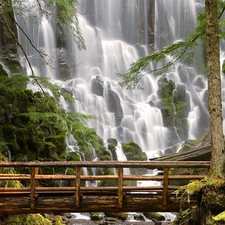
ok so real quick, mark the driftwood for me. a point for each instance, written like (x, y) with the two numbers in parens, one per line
(195, 153)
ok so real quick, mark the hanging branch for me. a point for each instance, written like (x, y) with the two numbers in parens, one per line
(42, 54)
(22, 49)
(131, 78)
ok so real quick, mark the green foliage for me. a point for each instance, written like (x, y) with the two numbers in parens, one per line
(174, 109)
(29, 219)
(46, 84)
(38, 121)
(12, 183)
(67, 12)
(140, 68)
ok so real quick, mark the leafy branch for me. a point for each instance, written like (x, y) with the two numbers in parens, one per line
(180, 50)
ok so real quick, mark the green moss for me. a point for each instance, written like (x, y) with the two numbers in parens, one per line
(58, 220)
(196, 186)
(95, 216)
(126, 146)
(105, 157)
(72, 156)
(220, 217)
(3, 158)
(105, 183)
(133, 151)
(223, 66)
(185, 216)
(188, 144)
(116, 216)
(111, 146)
(144, 156)
(154, 216)
(12, 183)
(70, 171)
(12, 65)
(29, 219)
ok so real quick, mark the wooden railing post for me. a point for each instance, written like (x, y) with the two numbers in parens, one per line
(165, 187)
(78, 183)
(120, 187)
(33, 185)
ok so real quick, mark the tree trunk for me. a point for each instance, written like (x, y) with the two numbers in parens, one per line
(214, 88)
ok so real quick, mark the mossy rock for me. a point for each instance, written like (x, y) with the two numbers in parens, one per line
(70, 171)
(29, 219)
(112, 149)
(106, 183)
(154, 216)
(105, 155)
(188, 216)
(214, 197)
(3, 72)
(119, 215)
(12, 65)
(187, 145)
(58, 220)
(133, 151)
(72, 156)
(96, 216)
(112, 141)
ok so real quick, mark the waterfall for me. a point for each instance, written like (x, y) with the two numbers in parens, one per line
(117, 33)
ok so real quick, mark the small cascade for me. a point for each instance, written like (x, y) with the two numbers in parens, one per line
(121, 157)
(72, 144)
(9, 154)
(41, 33)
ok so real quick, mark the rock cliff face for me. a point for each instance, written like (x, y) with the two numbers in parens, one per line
(8, 43)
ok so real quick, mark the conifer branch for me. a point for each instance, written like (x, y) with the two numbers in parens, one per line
(177, 51)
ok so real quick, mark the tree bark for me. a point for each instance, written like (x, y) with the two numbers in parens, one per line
(214, 88)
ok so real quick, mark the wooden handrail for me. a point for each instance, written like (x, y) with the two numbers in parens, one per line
(112, 164)
(78, 190)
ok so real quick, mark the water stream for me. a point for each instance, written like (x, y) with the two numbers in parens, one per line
(117, 33)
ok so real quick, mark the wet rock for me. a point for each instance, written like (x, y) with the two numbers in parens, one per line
(119, 215)
(95, 216)
(115, 106)
(156, 217)
(97, 86)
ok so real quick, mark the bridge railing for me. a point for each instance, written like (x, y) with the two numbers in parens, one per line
(120, 187)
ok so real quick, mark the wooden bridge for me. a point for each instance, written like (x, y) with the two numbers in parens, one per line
(58, 193)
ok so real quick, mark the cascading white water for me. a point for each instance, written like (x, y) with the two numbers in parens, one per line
(117, 33)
